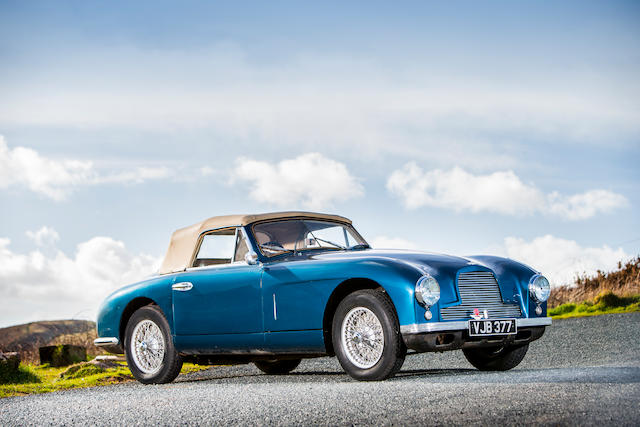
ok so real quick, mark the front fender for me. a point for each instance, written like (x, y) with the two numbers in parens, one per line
(398, 278)
(155, 289)
(292, 278)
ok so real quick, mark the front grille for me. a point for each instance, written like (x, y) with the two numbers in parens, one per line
(479, 289)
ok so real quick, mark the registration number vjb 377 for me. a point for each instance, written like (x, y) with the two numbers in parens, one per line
(492, 327)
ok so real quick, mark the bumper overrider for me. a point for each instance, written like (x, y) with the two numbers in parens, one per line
(443, 336)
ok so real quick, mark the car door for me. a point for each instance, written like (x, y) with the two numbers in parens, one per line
(219, 296)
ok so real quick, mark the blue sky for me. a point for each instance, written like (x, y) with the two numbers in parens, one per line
(504, 127)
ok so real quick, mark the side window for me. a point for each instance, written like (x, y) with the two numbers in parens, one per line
(241, 247)
(216, 248)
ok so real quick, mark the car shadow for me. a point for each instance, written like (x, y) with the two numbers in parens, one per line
(223, 374)
(433, 372)
(619, 375)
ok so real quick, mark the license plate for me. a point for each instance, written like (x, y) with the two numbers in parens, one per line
(484, 327)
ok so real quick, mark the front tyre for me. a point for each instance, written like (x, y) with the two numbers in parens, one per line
(277, 367)
(496, 359)
(149, 349)
(366, 336)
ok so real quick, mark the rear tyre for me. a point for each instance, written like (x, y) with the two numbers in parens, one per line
(366, 336)
(277, 367)
(149, 349)
(496, 358)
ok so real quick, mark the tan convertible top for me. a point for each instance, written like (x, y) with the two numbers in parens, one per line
(184, 240)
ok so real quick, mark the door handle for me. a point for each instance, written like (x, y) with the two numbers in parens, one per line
(182, 286)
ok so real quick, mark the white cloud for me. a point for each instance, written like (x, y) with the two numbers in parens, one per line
(52, 178)
(385, 242)
(310, 180)
(560, 260)
(585, 205)
(134, 176)
(37, 286)
(56, 179)
(499, 192)
(45, 236)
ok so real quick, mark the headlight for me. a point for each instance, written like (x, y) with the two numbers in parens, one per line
(539, 288)
(427, 291)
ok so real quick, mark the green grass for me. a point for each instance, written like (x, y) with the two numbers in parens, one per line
(605, 303)
(44, 378)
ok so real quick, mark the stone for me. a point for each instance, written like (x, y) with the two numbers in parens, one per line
(9, 363)
(62, 355)
(11, 360)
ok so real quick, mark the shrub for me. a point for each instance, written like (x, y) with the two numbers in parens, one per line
(609, 299)
(563, 309)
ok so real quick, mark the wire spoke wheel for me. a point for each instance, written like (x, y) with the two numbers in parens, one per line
(362, 337)
(148, 347)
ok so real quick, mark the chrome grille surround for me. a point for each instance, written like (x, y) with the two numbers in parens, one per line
(479, 289)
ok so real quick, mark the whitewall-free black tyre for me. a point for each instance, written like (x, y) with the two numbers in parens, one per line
(149, 349)
(366, 336)
(496, 358)
(277, 367)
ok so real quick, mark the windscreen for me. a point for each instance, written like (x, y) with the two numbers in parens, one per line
(292, 235)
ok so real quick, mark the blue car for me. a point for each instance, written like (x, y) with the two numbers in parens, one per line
(272, 289)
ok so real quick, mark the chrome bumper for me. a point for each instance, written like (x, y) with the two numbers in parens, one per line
(106, 341)
(417, 328)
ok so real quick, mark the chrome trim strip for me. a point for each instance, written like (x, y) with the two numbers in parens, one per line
(275, 309)
(106, 341)
(417, 328)
(534, 321)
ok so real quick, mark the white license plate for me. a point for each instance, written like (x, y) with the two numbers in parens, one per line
(486, 327)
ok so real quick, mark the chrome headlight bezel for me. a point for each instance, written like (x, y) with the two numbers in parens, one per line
(427, 291)
(539, 288)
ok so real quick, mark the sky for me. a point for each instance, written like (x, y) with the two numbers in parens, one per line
(505, 128)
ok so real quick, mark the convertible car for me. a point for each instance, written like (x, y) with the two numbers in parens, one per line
(272, 289)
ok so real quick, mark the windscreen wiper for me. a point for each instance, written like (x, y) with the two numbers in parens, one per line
(329, 242)
(274, 248)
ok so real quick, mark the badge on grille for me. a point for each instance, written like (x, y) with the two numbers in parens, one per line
(477, 315)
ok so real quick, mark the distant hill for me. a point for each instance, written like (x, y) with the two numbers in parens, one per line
(27, 338)
(625, 281)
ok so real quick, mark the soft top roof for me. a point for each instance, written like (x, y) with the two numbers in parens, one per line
(184, 240)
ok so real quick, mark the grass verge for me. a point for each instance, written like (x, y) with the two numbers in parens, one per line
(32, 379)
(605, 303)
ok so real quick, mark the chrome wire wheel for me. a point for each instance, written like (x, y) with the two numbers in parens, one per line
(147, 347)
(362, 337)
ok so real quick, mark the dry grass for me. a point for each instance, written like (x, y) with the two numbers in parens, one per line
(623, 282)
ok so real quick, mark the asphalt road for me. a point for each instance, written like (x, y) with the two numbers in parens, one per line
(583, 371)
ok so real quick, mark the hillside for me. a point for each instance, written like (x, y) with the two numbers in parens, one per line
(27, 338)
(625, 281)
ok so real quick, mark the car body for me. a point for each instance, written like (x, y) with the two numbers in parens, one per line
(272, 301)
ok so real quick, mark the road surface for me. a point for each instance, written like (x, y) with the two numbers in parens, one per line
(582, 371)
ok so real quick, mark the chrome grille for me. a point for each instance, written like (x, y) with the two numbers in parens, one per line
(479, 289)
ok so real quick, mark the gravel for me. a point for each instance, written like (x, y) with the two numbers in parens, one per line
(583, 371)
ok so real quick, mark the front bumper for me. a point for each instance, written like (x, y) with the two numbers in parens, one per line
(110, 344)
(444, 336)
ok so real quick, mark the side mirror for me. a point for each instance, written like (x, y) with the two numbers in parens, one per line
(251, 258)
